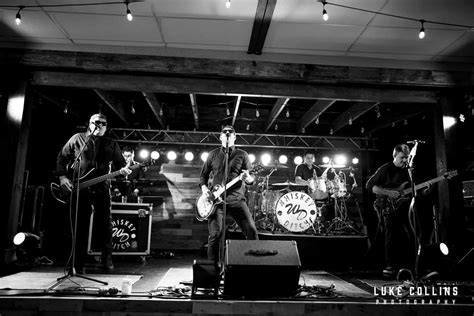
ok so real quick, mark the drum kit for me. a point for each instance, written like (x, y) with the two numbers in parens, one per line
(317, 206)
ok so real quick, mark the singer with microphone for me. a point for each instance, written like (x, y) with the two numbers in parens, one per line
(238, 164)
(99, 154)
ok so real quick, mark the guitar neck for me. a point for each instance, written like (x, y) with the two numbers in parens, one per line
(107, 176)
(424, 184)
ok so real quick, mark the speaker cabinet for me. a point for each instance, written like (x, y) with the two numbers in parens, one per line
(261, 268)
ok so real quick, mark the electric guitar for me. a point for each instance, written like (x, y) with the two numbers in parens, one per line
(382, 201)
(63, 194)
(206, 203)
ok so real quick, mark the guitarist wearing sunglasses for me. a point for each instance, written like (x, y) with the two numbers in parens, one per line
(239, 165)
(386, 183)
(101, 154)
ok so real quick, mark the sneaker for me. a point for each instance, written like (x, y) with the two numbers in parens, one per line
(107, 263)
(389, 271)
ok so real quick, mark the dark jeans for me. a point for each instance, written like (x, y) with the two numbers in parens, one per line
(241, 214)
(398, 241)
(99, 203)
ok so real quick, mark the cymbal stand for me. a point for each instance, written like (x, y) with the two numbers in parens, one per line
(341, 219)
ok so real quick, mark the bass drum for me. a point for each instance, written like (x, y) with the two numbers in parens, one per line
(296, 211)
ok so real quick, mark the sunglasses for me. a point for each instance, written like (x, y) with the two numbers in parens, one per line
(103, 123)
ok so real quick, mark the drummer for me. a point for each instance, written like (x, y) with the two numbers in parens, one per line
(307, 170)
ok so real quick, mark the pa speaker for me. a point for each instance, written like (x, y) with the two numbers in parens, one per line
(261, 268)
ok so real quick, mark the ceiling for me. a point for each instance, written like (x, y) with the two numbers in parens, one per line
(206, 28)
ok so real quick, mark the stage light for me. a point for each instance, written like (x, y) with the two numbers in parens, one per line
(448, 122)
(265, 159)
(144, 153)
(252, 158)
(326, 159)
(298, 160)
(204, 156)
(355, 161)
(22, 237)
(171, 155)
(431, 261)
(340, 159)
(283, 159)
(189, 156)
(155, 155)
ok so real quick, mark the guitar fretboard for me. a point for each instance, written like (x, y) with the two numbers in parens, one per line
(107, 176)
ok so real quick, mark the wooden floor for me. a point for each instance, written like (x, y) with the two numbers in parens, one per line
(144, 301)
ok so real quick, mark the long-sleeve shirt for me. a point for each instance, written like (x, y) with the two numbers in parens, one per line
(388, 176)
(238, 161)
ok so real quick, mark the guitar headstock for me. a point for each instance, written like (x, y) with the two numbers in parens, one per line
(256, 168)
(450, 174)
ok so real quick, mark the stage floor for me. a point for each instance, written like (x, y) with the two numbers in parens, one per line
(163, 286)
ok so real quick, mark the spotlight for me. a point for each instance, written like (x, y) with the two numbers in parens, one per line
(252, 158)
(204, 156)
(265, 159)
(298, 160)
(155, 155)
(340, 159)
(189, 156)
(144, 153)
(355, 160)
(171, 155)
(22, 238)
(283, 159)
(326, 159)
(431, 260)
(448, 121)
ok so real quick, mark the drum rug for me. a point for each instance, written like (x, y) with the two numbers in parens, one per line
(43, 280)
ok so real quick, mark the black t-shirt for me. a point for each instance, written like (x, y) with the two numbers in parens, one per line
(306, 173)
(388, 176)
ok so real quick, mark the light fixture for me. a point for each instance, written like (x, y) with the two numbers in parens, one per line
(204, 156)
(350, 120)
(303, 130)
(18, 15)
(248, 127)
(161, 111)
(144, 153)
(227, 110)
(462, 118)
(276, 126)
(66, 107)
(431, 260)
(155, 155)
(265, 159)
(227, 4)
(298, 160)
(421, 35)
(287, 114)
(331, 131)
(325, 13)
(171, 155)
(22, 237)
(129, 13)
(283, 159)
(362, 130)
(355, 160)
(316, 121)
(448, 121)
(405, 122)
(257, 113)
(393, 124)
(252, 158)
(326, 159)
(340, 159)
(189, 156)
(132, 108)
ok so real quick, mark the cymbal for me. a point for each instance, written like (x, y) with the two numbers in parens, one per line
(276, 165)
(329, 165)
(291, 185)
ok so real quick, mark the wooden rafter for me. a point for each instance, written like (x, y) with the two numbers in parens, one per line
(236, 109)
(114, 103)
(275, 112)
(154, 105)
(353, 113)
(316, 110)
(261, 23)
(194, 106)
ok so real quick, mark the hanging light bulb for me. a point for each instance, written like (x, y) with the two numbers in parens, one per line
(132, 109)
(331, 131)
(421, 35)
(393, 124)
(287, 113)
(350, 120)
(248, 127)
(129, 13)
(18, 15)
(405, 122)
(66, 107)
(325, 13)
(362, 130)
(161, 111)
(227, 111)
(276, 126)
(227, 4)
(316, 121)
(303, 130)
(257, 113)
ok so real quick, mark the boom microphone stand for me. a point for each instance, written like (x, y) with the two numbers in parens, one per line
(224, 206)
(76, 165)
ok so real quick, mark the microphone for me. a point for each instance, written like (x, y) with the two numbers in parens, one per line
(415, 141)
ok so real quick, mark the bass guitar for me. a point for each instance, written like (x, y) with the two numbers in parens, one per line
(63, 194)
(206, 203)
(382, 201)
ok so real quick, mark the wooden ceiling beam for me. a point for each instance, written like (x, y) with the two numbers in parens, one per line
(229, 87)
(261, 23)
(387, 120)
(316, 110)
(279, 105)
(353, 113)
(194, 106)
(114, 103)
(236, 109)
(155, 106)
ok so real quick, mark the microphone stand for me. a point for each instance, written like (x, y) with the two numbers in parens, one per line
(224, 205)
(76, 178)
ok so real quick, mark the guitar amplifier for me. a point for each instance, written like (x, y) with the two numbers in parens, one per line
(131, 229)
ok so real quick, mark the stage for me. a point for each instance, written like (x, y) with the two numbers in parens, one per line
(162, 286)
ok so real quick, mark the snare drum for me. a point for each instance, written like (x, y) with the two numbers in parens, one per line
(296, 211)
(317, 189)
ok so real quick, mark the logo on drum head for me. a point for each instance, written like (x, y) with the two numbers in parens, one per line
(296, 211)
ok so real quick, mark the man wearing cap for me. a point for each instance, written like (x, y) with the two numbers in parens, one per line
(102, 154)
(236, 205)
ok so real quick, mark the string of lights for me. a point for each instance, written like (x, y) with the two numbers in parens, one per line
(422, 22)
